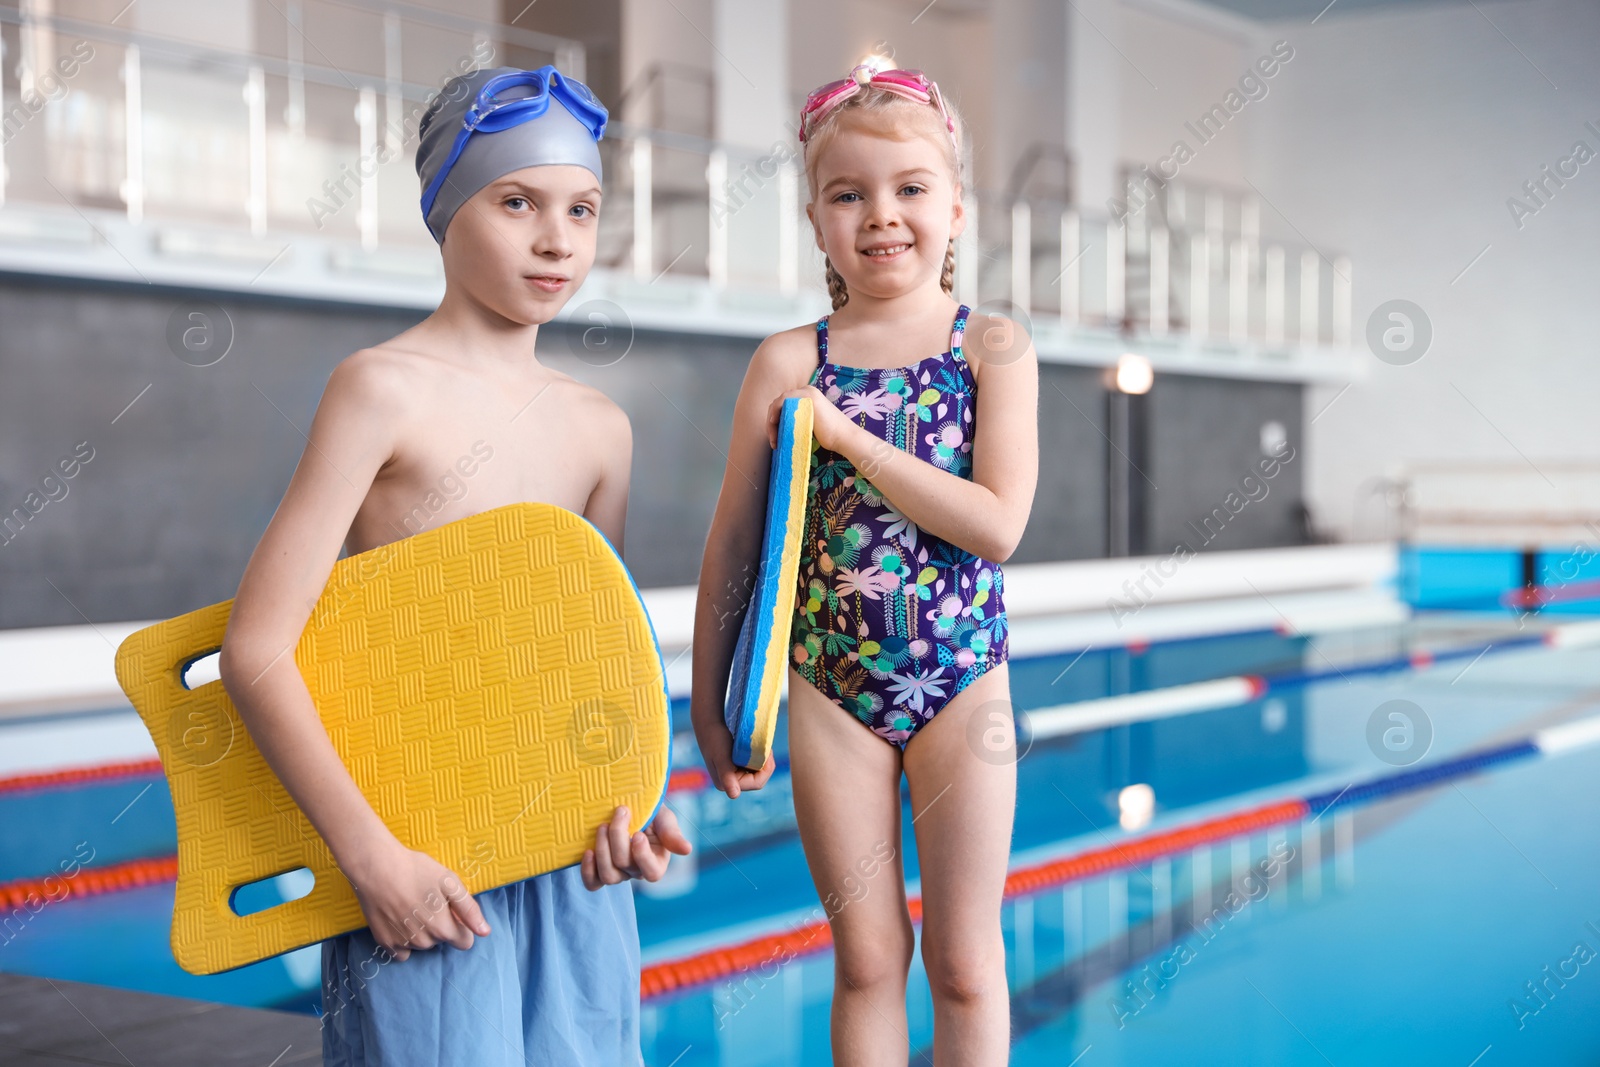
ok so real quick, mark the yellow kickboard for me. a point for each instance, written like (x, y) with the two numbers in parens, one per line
(493, 685)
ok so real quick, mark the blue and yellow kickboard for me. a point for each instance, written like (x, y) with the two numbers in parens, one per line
(761, 656)
(493, 685)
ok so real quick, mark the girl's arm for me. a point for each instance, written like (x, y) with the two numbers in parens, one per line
(410, 900)
(733, 549)
(986, 515)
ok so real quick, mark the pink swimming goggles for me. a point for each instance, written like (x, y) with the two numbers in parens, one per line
(911, 84)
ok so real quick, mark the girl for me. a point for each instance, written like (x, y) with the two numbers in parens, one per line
(926, 455)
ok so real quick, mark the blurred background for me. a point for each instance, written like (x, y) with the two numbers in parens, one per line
(1354, 241)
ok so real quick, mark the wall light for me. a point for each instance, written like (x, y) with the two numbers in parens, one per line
(1273, 438)
(1134, 374)
(878, 61)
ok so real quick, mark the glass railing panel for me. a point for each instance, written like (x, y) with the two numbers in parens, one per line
(194, 133)
(64, 134)
(313, 151)
(1092, 269)
(753, 219)
(682, 212)
(282, 142)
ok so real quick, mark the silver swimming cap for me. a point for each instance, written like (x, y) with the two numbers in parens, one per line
(470, 136)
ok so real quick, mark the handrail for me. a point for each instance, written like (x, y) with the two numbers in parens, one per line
(233, 61)
(654, 76)
(1033, 155)
(544, 42)
(1184, 281)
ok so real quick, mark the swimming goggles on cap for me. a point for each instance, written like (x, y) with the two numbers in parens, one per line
(491, 115)
(911, 84)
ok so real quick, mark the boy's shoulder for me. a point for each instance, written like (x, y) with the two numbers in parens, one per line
(391, 377)
(591, 407)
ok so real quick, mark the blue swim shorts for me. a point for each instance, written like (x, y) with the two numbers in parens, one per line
(555, 982)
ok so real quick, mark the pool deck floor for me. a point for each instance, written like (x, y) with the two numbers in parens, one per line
(45, 1022)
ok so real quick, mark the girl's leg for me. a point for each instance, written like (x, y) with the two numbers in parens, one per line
(846, 782)
(963, 779)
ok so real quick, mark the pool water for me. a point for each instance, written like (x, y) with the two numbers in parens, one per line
(1416, 930)
(1409, 945)
(1409, 931)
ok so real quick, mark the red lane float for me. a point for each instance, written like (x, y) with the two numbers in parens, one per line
(88, 882)
(100, 772)
(1537, 596)
(659, 979)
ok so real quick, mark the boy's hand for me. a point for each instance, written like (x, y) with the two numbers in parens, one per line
(412, 901)
(617, 857)
(717, 751)
(828, 424)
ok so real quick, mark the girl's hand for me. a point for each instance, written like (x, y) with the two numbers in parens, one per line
(617, 857)
(412, 901)
(717, 751)
(828, 424)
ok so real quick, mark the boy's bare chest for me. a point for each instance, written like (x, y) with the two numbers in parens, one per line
(462, 458)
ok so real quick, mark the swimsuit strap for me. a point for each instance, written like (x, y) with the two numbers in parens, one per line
(958, 332)
(822, 347)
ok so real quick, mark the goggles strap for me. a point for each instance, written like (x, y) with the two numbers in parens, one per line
(432, 192)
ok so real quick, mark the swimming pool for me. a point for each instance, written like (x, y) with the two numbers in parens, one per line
(1400, 930)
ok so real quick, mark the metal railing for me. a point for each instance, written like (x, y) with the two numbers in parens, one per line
(1552, 502)
(171, 132)
(699, 208)
(1141, 274)
(98, 116)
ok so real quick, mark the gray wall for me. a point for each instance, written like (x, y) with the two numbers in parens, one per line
(678, 449)
(1069, 506)
(1205, 438)
(678, 391)
(164, 516)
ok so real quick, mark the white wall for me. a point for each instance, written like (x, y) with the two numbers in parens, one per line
(654, 32)
(1399, 137)
(752, 105)
(225, 24)
(950, 41)
(1173, 71)
(1029, 101)
(1095, 61)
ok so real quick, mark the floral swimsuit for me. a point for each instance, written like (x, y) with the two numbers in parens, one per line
(891, 622)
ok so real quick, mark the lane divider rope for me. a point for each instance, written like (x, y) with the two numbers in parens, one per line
(1042, 723)
(676, 975)
(32, 893)
(669, 976)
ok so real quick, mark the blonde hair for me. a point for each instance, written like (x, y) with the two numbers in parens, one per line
(884, 108)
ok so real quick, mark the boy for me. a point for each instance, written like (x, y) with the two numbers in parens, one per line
(510, 170)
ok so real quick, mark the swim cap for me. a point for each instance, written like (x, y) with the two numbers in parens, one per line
(488, 123)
